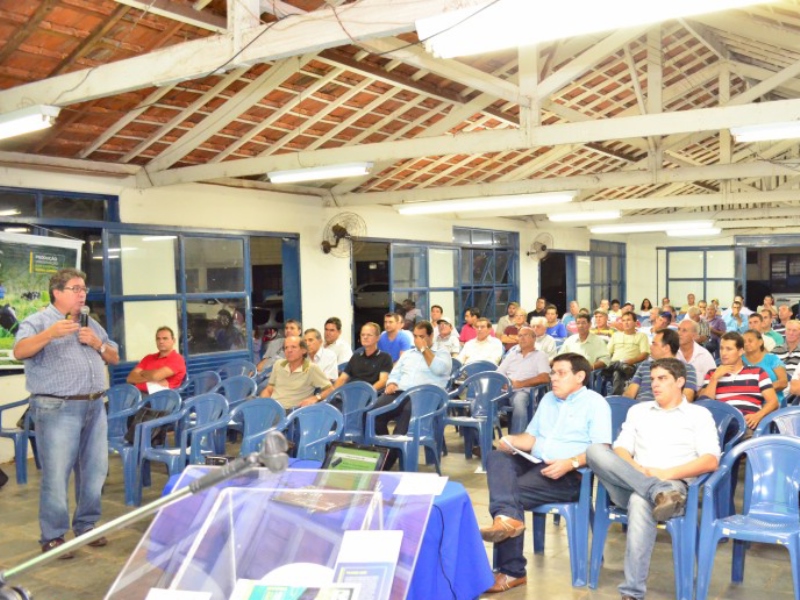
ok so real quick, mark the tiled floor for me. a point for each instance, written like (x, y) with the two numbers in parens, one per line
(89, 575)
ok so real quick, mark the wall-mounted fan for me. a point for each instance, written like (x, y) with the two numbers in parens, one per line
(342, 234)
(541, 246)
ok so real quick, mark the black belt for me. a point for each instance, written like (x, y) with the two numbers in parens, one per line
(93, 396)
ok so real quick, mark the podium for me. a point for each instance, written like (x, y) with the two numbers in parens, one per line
(262, 523)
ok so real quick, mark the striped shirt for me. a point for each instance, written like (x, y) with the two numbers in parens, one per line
(789, 358)
(743, 390)
(645, 383)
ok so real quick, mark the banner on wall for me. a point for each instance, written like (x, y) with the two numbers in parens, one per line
(26, 264)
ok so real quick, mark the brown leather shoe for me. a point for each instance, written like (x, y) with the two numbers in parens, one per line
(55, 543)
(668, 504)
(503, 583)
(502, 529)
(99, 542)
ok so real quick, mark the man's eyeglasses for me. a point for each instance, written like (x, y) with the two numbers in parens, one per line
(77, 289)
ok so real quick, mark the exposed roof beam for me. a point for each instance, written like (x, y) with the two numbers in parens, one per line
(191, 60)
(18, 159)
(718, 216)
(705, 119)
(179, 12)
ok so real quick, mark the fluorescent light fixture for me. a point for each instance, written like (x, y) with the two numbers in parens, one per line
(766, 132)
(318, 173)
(600, 215)
(28, 119)
(693, 232)
(158, 238)
(16, 229)
(512, 23)
(486, 203)
(651, 227)
(9, 213)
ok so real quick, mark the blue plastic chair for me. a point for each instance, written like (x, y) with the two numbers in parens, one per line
(198, 420)
(236, 389)
(165, 400)
(771, 513)
(731, 426)
(20, 437)
(479, 366)
(785, 421)
(257, 417)
(483, 391)
(314, 427)
(199, 383)
(356, 397)
(121, 397)
(428, 405)
(237, 367)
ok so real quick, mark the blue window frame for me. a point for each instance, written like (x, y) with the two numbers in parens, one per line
(706, 271)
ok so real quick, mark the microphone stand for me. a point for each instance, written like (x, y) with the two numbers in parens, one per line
(276, 462)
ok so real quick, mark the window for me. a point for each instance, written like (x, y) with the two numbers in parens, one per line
(705, 272)
(600, 274)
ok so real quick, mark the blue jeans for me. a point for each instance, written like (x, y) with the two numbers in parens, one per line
(520, 402)
(71, 435)
(517, 485)
(630, 488)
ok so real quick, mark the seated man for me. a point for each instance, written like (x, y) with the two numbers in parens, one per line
(755, 322)
(419, 366)
(592, 347)
(736, 321)
(748, 388)
(506, 320)
(274, 349)
(526, 367)
(165, 368)
(703, 332)
(295, 379)
(555, 328)
(437, 313)
(789, 351)
(663, 445)
(411, 314)
(334, 341)
(541, 304)
(517, 485)
(692, 353)
(784, 316)
(544, 342)
(716, 329)
(509, 335)
(665, 344)
(394, 340)
(766, 328)
(370, 365)
(447, 338)
(627, 349)
(483, 346)
(601, 326)
(323, 358)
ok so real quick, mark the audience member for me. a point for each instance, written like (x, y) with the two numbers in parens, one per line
(471, 315)
(743, 310)
(509, 335)
(483, 346)
(784, 316)
(165, 368)
(716, 328)
(592, 347)
(755, 323)
(601, 327)
(569, 317)
(274, 350)
(507, 319)
(692, 353)
(324, 359)
(447, 338)
(766, 328)
(736, 321)
(665, 344)
(662, 447)
(748, 389)
(555, 329)
(516, 484)
(334, 341)
(541, 304)
(526, 367)
(645, 308)
(394, 340)
(370, 365)
(789, 351)
(769, 304)
(690, 303)
(614, 311)
(294, 380)
(755, 354)
(627, 349)
(544, 342)
(703, 331)
(419, 366)
(411, 314)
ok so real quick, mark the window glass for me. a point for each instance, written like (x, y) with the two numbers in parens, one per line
(585, 297)
(583, 271)
(62, 207)
(483, 266)
(720, 263)
(412, 306)
(442, 267)
(482, 237)
(214, 264)
(17, 204)
(686, 264)
(216, 325)
(91, 253)
(410, 266)
(723, 291)
(445, 299)
(678, 290)
(501, 264)
(143, 264)
(500, 304)
(135, 325)
(661, 255)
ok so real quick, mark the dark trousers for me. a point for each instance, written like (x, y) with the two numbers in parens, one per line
(401, 417)
(619, 373)
(517, 485)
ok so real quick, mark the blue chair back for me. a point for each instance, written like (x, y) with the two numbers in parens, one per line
(785, 421)
(315, 427)
(479, 366)
(619, 412)
(237, 389)
(356, 398)
(121, 397)
(164, 400)
(200, 383)
(237, 367)
(730, 422)
(482, 389)
(258, 416)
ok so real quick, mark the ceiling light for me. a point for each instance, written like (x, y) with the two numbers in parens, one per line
(319, 173)
(16, 229)
(766, 132)
(9, 213)
(158, 238)
(486, 203)
(606, 215)
(28, 119)
(512, 23)
(693, 232)
(650, 227)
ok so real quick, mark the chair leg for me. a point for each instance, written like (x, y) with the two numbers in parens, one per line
(578, 538)
(737, 562)
(706, 552)
(538, 532)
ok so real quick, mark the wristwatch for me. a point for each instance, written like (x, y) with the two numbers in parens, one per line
(318, 397)
(575, 463)
(102, 348)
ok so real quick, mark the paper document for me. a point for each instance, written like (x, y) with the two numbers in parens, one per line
(153, 387)
(368, 559)
(420, 484)
(522, 453)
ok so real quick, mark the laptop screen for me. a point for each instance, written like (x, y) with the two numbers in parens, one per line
(354, 457)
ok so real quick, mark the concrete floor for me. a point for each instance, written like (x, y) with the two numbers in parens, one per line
(90, 574)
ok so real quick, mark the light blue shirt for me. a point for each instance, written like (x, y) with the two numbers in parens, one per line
(732, 325)
(412, 370)
(64, 367)
(565, 428)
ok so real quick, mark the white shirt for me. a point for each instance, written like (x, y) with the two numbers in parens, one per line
(490, 349)
(451, 344)
(663, 439)
(341, 349)
(326, 361)
(547, 345)
(702, 361)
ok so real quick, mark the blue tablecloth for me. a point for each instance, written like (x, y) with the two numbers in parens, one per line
(452, 561)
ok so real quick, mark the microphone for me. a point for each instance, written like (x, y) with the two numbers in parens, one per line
(84, 316)
(335, 463)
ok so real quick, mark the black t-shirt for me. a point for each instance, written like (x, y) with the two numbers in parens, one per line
(361, 367)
